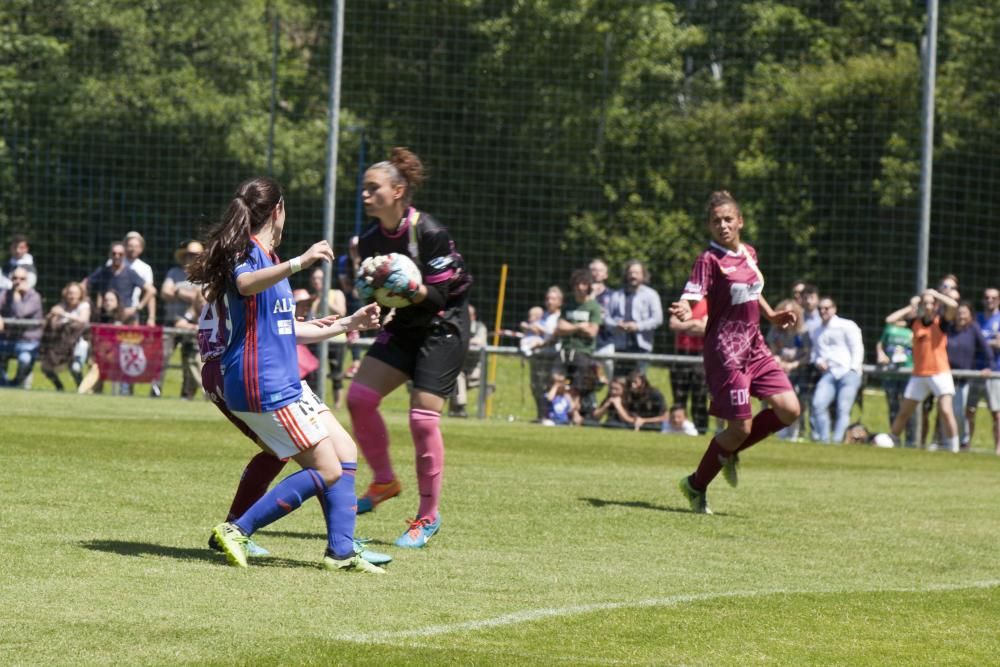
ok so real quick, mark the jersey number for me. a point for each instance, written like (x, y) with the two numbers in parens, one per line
(209, 322)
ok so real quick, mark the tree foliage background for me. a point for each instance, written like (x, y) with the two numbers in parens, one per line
(555, 131)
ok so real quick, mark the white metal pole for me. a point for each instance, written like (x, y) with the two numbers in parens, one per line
(330, 192)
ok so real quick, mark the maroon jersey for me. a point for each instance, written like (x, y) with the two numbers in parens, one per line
(732, 283)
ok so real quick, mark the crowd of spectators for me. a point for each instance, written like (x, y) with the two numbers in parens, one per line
(584, 347)
(823, 356)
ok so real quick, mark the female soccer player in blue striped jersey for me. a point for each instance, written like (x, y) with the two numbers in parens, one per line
(260, 372)
(425, 342)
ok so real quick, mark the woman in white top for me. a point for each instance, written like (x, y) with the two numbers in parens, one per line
(62, 337)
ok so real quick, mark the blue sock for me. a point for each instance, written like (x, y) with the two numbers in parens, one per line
(286, 496)
(340, 507)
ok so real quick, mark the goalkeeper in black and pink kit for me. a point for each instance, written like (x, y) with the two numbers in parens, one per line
(738, 363)
(425, 342)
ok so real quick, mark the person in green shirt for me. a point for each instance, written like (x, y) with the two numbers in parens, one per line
(895, 351)
(577, 331)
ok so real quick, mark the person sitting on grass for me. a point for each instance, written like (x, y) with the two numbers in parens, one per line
(644, 404)
(678, 421)
(563, 402)
(611, 409)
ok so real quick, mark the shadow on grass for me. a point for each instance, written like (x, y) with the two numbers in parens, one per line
(140, 549)
(643, 505)
(316, 536)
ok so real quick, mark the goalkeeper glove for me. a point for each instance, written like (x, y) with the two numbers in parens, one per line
(399, 283)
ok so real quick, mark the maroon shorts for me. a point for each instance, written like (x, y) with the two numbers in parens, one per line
(731, 389)
(211, 381)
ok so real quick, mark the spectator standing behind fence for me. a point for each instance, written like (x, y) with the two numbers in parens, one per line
(792, 349)
(809, 300)
(337, 303)
(19, 256)
(135, 245)
(894, 351)
(931, 373)
(543, 357)
(18, 341)
(472, 371)
(601, 293)
(577, 332)
(967, 350)
(634, 313)
(179, 296)
(63, 341)
(118, 277)
(989, 324)
(838, 355)
(688, 379)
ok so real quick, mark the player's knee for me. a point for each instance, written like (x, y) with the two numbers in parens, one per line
(789, 413)
(738, 430)
(362, 397)
(330, 471)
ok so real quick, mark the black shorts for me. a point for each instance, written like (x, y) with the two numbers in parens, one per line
(432, 356)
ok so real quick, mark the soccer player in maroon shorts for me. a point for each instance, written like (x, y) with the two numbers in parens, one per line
(738, 364)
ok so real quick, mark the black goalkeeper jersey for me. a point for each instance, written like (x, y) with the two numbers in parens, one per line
(424, 240)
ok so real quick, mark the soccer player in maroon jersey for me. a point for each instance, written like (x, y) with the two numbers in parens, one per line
(738, 364)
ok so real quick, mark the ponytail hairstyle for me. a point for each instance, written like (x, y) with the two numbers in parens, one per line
(228, 241)
(404, 168)
(721, 198)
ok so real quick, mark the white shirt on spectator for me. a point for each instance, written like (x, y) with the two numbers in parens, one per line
(838, 344)
(687, 428)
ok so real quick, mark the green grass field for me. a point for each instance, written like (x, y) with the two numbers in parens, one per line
(558, 546)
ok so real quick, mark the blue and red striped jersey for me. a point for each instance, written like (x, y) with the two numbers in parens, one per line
(260, 366)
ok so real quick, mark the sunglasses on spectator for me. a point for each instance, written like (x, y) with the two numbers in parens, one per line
(18, 279)
(946, 286)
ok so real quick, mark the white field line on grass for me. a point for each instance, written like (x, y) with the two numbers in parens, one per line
(528, 615)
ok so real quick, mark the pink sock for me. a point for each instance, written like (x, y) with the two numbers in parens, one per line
(425, 426)
(370, 431)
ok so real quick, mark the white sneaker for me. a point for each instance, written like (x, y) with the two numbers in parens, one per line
(885, 440)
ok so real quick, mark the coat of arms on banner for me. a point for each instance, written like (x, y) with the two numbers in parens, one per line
(131, 359)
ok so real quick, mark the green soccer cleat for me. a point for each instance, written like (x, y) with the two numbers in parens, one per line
(699, 503)
(254, 550)
(731, 470)
(353, 563)
(233, 543)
